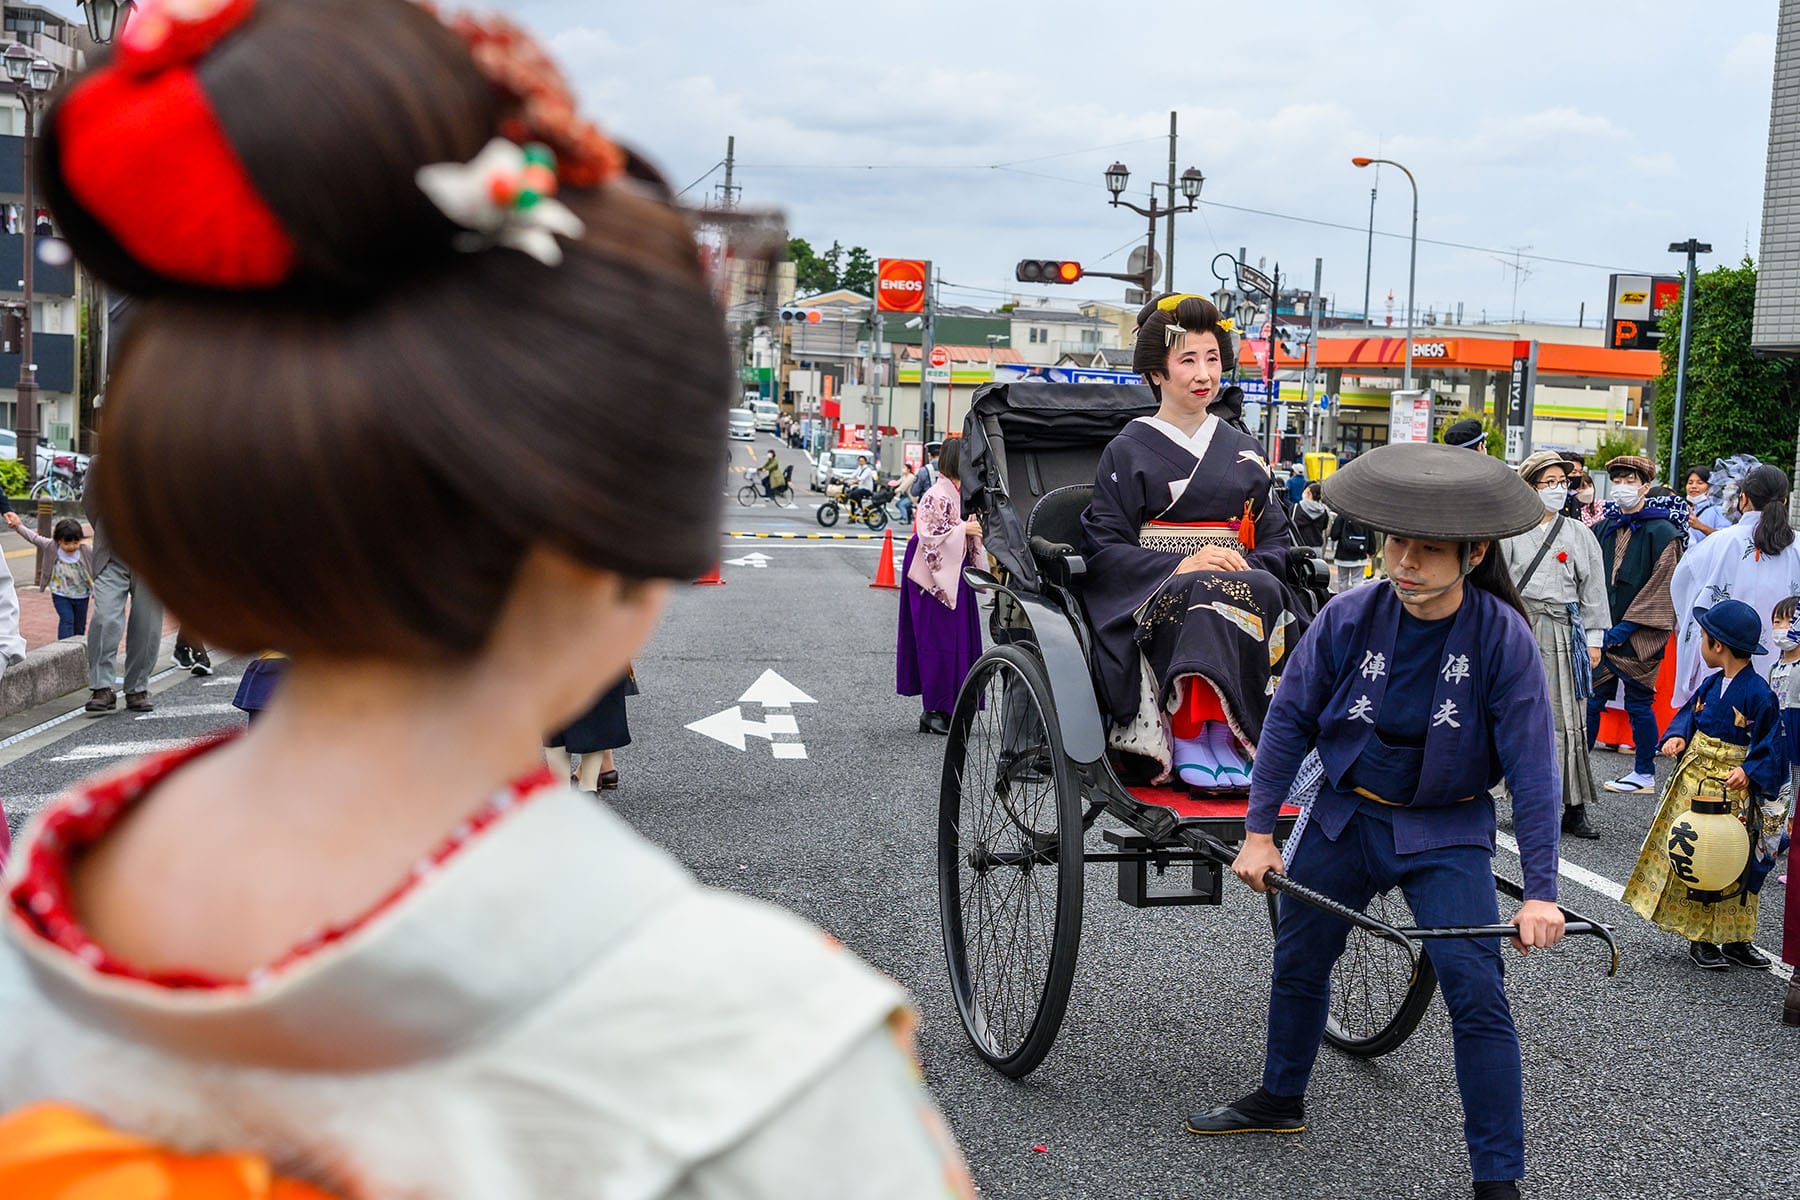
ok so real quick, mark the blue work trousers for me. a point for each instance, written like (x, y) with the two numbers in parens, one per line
(1449, 886)
(1638, 707)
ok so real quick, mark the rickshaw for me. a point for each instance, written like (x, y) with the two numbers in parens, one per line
(1027, 774)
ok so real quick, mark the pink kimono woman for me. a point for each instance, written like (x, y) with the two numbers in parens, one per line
(940, 629)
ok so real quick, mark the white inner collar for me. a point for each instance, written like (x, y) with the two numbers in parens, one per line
(1197, 444)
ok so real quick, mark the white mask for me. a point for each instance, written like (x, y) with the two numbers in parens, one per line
(1554, 497)
(1585, 495)
(1625, 495)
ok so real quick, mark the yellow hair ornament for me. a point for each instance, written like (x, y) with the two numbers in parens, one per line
(1171, 303)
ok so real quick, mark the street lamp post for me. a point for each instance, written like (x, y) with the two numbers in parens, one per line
(1691, 247)
(1117, 176)
(1412, 269)
(31, 77)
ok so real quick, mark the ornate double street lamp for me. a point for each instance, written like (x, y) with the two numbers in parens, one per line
(31, 78)
(1117, 176)
(105, 18)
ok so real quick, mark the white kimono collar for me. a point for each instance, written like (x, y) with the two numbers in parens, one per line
(1198, 444)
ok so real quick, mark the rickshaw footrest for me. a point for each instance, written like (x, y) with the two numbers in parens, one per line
(1141, 855)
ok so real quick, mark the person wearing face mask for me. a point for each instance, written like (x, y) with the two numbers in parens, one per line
(1755, 560)
(1584, 503)
(1641, 539)
(1416, 695)
(1558, 572)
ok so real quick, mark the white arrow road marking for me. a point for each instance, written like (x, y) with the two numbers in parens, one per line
(121, 749)
(726, 726)
(772, 691)
(757, 560)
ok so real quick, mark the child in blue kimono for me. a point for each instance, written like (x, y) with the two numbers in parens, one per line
(1729, 729)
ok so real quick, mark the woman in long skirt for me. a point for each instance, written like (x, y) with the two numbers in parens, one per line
(594, 735)
(940, 629)
(1558, 572)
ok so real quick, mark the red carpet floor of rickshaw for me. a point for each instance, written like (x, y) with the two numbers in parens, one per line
(1190, 805)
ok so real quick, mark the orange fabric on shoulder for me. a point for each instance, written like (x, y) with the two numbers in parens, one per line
(56, 1152)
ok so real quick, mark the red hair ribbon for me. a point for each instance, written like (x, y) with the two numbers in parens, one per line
(142, 150)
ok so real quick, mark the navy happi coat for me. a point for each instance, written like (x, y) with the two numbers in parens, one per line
(1231, 628)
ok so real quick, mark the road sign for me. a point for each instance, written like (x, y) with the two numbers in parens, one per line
(900, 284)
(940, 357)
(938, 369)
(1255, 278)
(1135, 264)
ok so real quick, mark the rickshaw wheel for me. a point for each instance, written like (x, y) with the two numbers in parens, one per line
(1009, 861)
(1376, 999)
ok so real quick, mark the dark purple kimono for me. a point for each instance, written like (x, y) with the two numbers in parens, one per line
(1232, 628)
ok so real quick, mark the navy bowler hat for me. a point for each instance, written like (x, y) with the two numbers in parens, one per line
(1735, 625)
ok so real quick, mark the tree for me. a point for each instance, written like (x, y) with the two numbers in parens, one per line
(833, 263)
(810, 271)
(1736, 403)
(859, 272)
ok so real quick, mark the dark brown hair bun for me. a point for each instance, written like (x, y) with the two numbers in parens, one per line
(356, 463)
(1196, 315)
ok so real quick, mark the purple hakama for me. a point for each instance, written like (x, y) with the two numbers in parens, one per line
(937, 644)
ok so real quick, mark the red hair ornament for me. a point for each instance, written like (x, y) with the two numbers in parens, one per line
(141, 149)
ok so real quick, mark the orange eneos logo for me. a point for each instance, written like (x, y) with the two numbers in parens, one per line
(900, 285)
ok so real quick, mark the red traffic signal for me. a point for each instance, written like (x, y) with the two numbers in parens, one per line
(1047, 270)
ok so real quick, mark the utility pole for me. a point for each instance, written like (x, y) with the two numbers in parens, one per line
(1312, 357)
(929, 340)
(1271, 436)
(1690, 248)
(728, 191)
(1169, 236)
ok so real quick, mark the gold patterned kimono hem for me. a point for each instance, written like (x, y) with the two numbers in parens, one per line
(1653, 891)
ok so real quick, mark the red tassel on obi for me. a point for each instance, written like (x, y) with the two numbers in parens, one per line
(1246, 530)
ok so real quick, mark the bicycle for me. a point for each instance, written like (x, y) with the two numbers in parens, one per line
(781, 497)
(64, 481)
(871, 512)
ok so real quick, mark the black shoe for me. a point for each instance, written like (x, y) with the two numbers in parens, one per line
(184, 656)
(1743, 954)
(1497, 1189)
(1707, 956)
(202, 664)
(1575, 823)
(933, 721)
(1259, 1112)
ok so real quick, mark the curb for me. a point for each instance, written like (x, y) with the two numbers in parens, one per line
(48, 673)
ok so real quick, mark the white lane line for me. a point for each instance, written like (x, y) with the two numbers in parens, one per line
(224, 681)
(176, 711)
(53, 722)
(1575, 873)
(121, 749)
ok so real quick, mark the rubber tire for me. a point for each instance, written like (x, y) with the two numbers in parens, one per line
(1407, 1015)
(877, 519)
(828, 513)
(747, 495)
(1066, 938)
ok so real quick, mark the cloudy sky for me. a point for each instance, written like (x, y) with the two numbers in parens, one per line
(976, 133)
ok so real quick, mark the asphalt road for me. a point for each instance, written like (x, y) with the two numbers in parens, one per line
(1661, 1081)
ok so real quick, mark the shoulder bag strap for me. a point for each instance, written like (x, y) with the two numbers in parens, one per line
(1549, 541)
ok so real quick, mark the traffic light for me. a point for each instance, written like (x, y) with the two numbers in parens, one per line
(1047, 270)
(801, 316)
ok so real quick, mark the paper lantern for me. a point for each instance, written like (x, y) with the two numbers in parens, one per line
(1708, 848)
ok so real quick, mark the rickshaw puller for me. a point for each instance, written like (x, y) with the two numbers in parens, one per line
(1418, 697)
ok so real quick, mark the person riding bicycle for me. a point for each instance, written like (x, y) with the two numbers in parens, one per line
(774, 479)
(1416, 698)
(861, 484)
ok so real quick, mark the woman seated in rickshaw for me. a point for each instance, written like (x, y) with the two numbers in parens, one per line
(1186, 560)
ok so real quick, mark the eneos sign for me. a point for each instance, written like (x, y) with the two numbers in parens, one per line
(900, 284)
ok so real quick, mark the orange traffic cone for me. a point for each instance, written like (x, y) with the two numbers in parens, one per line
(710, 579)
(884, 574)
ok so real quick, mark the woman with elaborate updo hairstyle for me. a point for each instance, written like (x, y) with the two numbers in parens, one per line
(1756, 561)
(1186, 560)
(384, 271)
